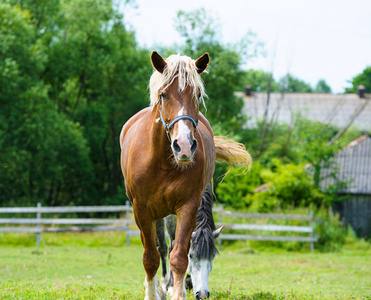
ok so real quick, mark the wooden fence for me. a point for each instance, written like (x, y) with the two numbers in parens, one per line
(125, 224)
(94, 224)
(232, 226)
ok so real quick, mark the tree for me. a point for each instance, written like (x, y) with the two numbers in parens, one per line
(71, 75)
(99, 78)
(201, 34)
(322, 87)
(259, 81)
(36, 164)
(292, 84)
(363, 78)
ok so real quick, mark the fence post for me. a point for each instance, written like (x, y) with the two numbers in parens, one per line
(127, 223)
(38, 217)
(312, 232)
(220, 221)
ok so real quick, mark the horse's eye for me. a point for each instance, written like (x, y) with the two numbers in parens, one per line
(191, 256)
(163, 96)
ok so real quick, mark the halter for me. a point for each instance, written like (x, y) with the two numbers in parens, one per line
(178, 118)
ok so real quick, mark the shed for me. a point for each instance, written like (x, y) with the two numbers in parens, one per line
(354, 163)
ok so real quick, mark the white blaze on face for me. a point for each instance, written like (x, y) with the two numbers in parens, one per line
(183, 139)
(200, 272)
(182, 127)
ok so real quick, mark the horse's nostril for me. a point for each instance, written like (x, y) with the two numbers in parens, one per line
(176, 146)
(207, 294)
(194, 146)
(197, 295)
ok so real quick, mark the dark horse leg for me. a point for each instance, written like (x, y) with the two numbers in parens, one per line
(162, 248)
(170, 224)
(151, 257)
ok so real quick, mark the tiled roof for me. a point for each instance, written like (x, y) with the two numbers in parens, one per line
(354, 163)
(326, 108)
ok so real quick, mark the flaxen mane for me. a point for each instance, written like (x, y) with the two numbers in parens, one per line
(183, 68)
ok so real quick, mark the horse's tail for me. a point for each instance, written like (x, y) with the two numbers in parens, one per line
(231, 152)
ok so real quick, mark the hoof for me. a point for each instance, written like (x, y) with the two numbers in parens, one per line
(164, 281)
(154, 290)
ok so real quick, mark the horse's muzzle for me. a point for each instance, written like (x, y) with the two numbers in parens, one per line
(202, 295)
(184, 150)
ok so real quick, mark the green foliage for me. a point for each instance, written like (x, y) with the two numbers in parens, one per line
(285, 185)
(71, 75)
(291, 184)
(292, 84)
(198, 28)
(259, 81)
(289, 166)
(364, 79)
(200, 32)
(331, 232)
(36, 162)
(322, 87)
(233, 189)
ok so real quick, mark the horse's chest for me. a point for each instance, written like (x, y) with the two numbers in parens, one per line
(165, 190)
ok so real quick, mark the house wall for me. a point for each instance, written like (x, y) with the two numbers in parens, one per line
(356, 211)
(326, 108)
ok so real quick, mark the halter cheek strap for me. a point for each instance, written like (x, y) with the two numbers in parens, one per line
(171, 124)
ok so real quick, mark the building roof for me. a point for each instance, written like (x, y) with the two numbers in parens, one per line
(326, 108)
(354, 163)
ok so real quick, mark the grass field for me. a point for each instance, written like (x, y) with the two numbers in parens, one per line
(88, 268)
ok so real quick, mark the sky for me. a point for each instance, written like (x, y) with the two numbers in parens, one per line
(311, 39)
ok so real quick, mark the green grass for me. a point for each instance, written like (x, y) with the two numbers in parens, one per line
(85, 266)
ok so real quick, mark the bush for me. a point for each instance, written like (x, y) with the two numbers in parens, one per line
(332, 234)
(233, 189)
(286, 185)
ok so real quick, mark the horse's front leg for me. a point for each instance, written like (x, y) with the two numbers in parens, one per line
(151, 257)
(186, 220)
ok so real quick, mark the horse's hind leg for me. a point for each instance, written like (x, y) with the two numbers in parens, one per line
(170, 224)
(151, 257)
(162, 248)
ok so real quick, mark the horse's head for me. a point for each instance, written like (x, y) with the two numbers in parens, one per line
(176, 87)
(200, 262)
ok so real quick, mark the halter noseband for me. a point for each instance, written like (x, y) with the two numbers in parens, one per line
(171, 124)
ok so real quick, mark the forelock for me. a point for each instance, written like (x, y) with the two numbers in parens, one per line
(183, 68)
(203, 244)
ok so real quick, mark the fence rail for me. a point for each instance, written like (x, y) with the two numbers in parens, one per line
(106, 224)
(67, 209)
(308, 228)
(127, 224)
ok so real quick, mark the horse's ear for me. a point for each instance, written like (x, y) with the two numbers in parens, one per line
(202, 62)
(217, 232)
(158, 62)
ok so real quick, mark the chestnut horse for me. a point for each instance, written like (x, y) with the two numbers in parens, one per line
(168, 155)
